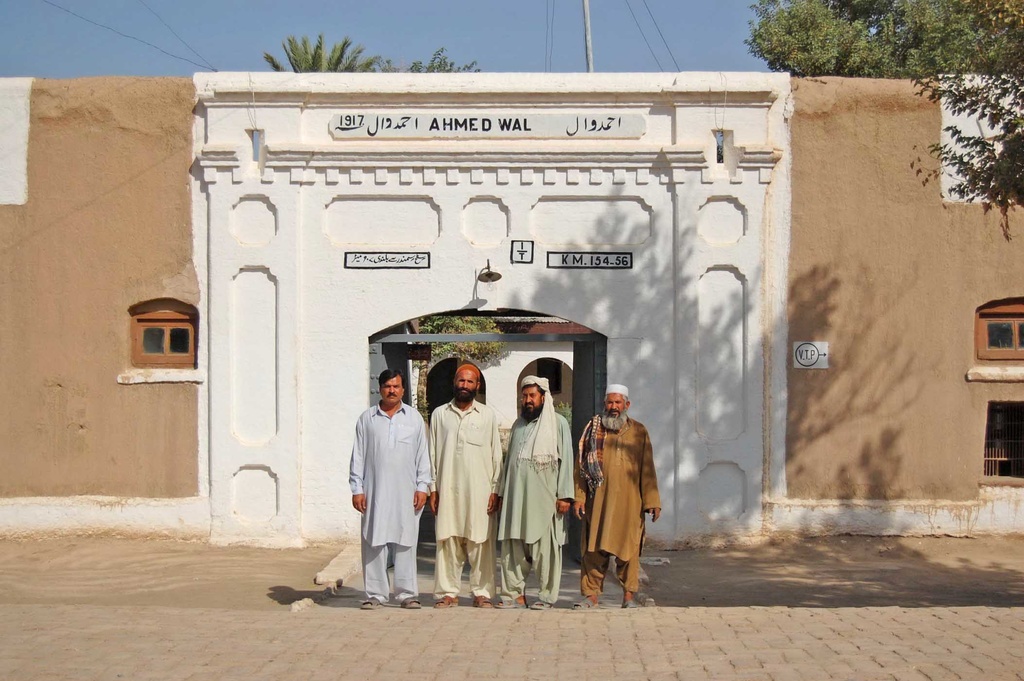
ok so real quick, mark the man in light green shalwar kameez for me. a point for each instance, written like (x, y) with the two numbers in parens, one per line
(536, 491)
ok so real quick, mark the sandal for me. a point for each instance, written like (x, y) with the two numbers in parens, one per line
(482, 602)
(370, 604)
(517, 604)
(447, 602)
(585, 604)
(411, 604)
(540, 605)
(631, 603)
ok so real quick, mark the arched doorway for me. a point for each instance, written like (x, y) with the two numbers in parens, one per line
(581, 372)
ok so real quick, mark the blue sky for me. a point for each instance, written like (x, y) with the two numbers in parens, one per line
(38, 39)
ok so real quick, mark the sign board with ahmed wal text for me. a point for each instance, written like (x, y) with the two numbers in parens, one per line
(358, 123)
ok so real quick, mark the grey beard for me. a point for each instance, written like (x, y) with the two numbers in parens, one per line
(614, 423)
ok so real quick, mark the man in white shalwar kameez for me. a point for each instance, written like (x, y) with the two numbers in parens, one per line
(465, 453)
(390, 477)
(536, 492)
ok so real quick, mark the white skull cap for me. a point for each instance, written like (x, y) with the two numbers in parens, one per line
(617, 388)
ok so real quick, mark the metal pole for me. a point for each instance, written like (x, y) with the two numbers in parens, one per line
(586, 33)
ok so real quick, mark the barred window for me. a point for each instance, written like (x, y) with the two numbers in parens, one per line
(1004, 440)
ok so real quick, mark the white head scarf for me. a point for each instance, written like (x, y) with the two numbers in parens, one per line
(541, 448)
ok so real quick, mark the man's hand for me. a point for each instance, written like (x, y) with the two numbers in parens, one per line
(418, 500)
(359, 502)
(577, 509)
(655, 514)
(433, 503)
(493, 504)
(562, 506)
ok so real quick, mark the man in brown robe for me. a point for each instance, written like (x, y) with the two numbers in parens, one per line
(616, 484)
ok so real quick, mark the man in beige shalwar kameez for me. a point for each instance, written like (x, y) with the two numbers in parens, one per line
(465, 458)
(616, 484)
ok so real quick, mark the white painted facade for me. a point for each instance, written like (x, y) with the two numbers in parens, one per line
(689, 326)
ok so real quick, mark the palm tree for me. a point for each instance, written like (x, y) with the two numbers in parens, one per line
(304, 57)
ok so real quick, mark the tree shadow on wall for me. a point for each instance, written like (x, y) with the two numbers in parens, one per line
(855, 405)
(844, 436)
(843, 424)
(631, 300)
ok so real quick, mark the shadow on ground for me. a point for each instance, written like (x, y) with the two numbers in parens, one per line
(818, 573)
(831, 572)
(839, 572)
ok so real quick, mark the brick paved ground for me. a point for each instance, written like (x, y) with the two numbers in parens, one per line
(814, 629)
(107, 643)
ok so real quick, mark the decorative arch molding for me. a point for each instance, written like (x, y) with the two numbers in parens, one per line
(160, 304)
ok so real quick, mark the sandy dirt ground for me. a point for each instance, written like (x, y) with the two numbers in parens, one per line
(102, 571)
(825, 572)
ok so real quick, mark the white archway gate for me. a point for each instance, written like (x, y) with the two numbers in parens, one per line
(337, 205)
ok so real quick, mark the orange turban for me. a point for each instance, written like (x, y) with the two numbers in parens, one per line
(468, 367)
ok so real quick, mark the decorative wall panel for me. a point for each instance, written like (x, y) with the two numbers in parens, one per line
(383, 220)
(485, 222)
(254, 492)
(591, 222)
(254, 356)
(721, 491)
(254, 221)
(721, 368)
(721, 221)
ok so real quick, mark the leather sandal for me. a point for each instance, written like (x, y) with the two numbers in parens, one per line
(482, 602)
(517, 604)
(447, 602)
(585, 604)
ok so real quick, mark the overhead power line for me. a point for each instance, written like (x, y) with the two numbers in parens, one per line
(125, 35)
(549, 57)
(547, 31)
(182, 40)
(642, 35)
(665, 42)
